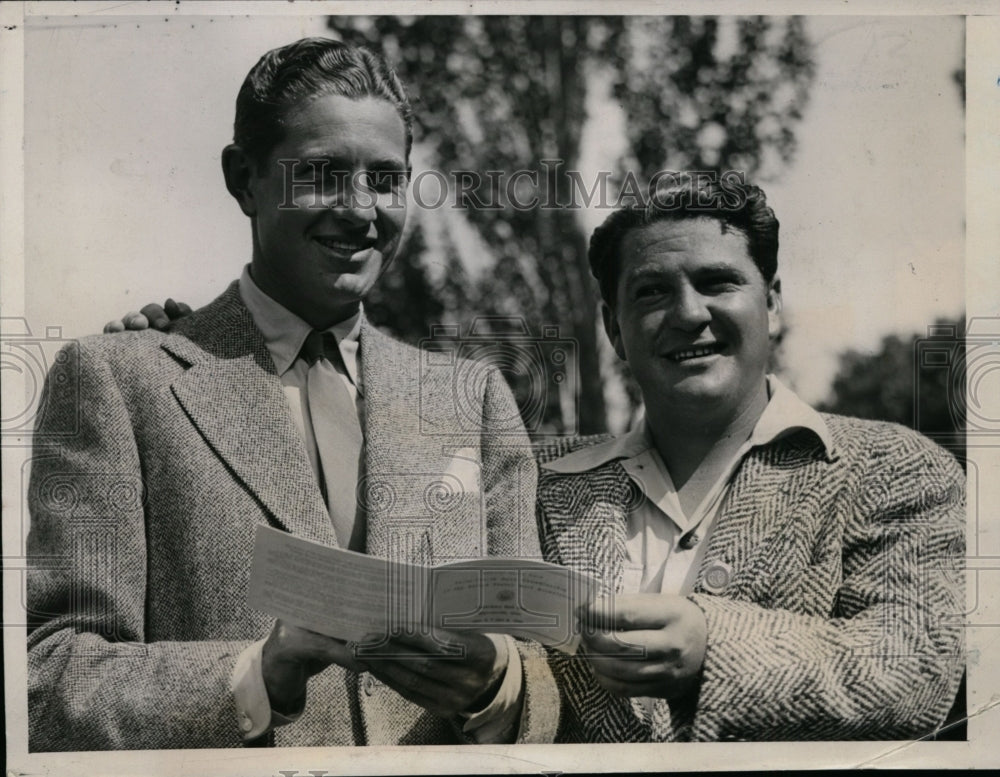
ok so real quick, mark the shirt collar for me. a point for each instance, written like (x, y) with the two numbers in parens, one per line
(784, 414)
(285, 333)
(787, 413)
(634, 443)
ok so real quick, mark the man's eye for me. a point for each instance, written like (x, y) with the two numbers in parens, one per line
(718, 284)
(316, 172)
(650, 290)
(385, 180)
(322, 177)
(335, 178)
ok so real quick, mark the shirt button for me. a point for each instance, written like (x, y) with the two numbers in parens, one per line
(688, 541)
(369, 685)
(245, 723)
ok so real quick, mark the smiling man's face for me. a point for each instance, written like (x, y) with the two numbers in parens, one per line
(693, 317)
(329, 205)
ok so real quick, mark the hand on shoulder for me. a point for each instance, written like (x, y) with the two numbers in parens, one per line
(151, 316)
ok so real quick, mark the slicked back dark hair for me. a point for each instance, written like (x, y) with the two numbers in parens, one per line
(309, 68)
(737, 206)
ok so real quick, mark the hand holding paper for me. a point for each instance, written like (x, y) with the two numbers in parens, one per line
(645, 644)
(446, 673)
(292, 655)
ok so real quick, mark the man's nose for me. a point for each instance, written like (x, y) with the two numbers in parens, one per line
(355, 200)
(690, 310)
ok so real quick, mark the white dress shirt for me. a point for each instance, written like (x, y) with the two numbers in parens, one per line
(284, 335)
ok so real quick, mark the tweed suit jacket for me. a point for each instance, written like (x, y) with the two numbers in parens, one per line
(163, 453)
(831, 588)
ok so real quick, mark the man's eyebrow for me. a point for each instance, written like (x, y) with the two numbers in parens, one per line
(389, 163)
(338, 162)
(643, 274)
(656, 273)
(720, 268)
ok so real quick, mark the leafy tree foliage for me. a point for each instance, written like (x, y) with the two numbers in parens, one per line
(509, 93)
(916, 380)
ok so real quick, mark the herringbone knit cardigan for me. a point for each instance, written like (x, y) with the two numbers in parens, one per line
(157, 456)
(835, 609)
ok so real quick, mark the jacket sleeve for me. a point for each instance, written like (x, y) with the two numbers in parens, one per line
(587, 711)
(510, 477)
(94, 682)
(887, 663)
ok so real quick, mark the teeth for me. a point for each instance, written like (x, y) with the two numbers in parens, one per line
(694, 353)
(340, 245)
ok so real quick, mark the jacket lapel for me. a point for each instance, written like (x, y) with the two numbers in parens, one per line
(234, 398)
(751, 540)
(595, 511)
(588, 522)
(396, 524)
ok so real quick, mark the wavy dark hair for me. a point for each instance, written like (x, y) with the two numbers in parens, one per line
(727, 198)
(308, 68)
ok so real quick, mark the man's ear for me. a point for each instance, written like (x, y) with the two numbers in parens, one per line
(774, 306)
(612, 330)
(238, 169)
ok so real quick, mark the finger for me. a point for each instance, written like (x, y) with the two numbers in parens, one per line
(630, 671)
(345, 654)
(441, 699)
(423, 656)
(444, 643)
(114, 326)
(469, 674)
(621, 687)
(288, 643)
(156, 315)
(135, 321)
(639, 644)
(176, 309)
(468, 671)
(622, 644)
(664, 684)
(629, 611)
(415, 686)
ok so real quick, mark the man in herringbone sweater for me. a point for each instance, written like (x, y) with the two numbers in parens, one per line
(766, 571)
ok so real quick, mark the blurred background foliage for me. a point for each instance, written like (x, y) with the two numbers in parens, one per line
(916, 380)
(503, 93)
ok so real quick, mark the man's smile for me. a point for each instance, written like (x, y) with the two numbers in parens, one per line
(344, 245)
(689, 353)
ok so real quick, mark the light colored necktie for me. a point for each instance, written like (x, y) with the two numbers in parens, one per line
(339, 439)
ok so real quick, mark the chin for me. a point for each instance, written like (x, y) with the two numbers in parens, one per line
(700, 385)
(709, 400)
(344, 297)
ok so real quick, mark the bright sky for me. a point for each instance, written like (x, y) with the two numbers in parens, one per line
(873, 210)
(125, 202)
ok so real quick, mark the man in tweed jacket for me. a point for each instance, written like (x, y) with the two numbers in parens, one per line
(161, 452)
(767, 572)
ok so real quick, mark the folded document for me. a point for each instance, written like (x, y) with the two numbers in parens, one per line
(349, 595)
